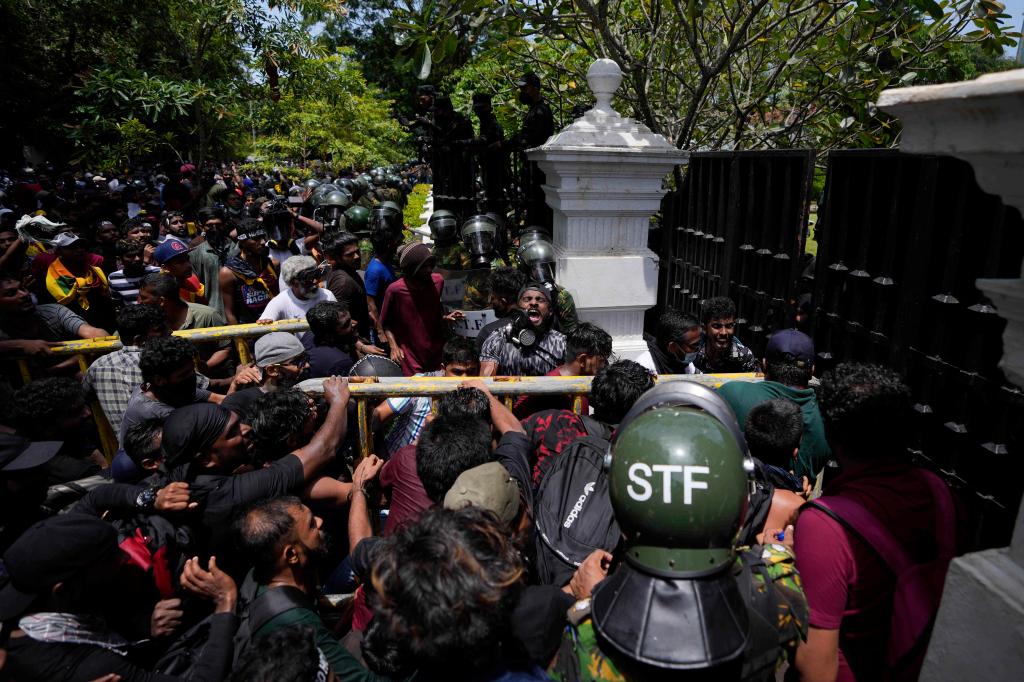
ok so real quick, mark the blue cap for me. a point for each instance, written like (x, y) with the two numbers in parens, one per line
(790, 345)
(171, 248)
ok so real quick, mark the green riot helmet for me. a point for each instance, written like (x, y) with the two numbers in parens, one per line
(349, 185)
(362, 184)
(332, 207)
(479, 235)
(382, 215)
(357, 220)
(311, 184)
(537, 261)
(321, 190)
(393, 208)
(679, 477)
(393, 181)
(444, 227)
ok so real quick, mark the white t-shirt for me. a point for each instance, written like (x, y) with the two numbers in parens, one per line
(286, 305)
(646, 360)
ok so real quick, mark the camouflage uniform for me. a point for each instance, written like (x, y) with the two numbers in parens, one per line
(580, 658)
(566, 318)
(452, 257)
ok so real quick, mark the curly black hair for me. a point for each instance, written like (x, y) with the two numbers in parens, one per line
(464, 402)
(285, 653)
(205, 214)
(138, 320)
(323, 320)
(129, 247)
(616, 387)
(447, 447)
(587, 338)
(275, 418)
(773, 430)
(866, 409)
(443, 589)
(717, 308)
(164, 354)
(39, 406)
(505, 282)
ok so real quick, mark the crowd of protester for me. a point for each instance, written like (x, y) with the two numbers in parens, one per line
(650, 530)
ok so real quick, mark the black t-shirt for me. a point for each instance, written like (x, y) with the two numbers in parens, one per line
(240, 401)
(221, 496)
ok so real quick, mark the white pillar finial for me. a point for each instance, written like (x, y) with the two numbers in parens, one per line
(604, 77)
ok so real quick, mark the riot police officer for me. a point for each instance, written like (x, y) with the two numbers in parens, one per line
(685, 602)
(448, 249)
(492, 159)
(536, 259)
(538, 126)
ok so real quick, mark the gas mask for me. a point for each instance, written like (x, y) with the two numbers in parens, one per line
(523, 334)
(478, 235)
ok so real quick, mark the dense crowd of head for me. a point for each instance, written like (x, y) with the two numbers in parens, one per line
(207, 500)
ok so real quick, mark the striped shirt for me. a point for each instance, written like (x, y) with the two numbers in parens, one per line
(125, 290)
(528, 362)
(410, 418)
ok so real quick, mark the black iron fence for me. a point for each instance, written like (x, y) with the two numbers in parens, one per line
(901, 240)
(736, 228)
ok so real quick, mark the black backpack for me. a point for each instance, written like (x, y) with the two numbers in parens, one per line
(254, 610)
(572, 511)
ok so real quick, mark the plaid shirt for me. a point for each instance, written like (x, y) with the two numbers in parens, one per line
(113, 377)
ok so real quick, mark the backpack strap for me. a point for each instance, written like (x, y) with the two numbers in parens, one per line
(273, 602)
(594, 428)
(875, 535)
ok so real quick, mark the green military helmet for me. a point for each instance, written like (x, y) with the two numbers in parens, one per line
(320, 192)
(331, 207)
(444, 227)
(679, 479)
(357, 219)
(312, 183)
(392, 207)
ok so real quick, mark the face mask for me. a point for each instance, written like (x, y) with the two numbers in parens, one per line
(135, 269)
(178, 394)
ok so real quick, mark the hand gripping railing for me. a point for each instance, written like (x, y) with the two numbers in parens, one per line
(372, 389)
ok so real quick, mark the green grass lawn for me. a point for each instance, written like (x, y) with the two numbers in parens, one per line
(812, 245)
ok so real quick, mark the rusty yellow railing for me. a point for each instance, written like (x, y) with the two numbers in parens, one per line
(86, 349)
(373, 389)
(364, 390)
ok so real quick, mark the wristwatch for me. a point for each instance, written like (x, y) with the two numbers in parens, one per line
(146, 499)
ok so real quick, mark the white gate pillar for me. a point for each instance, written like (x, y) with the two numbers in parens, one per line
(979, 633)
(604, 181)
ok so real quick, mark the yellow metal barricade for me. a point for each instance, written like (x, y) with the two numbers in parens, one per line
(373, 390)
(84, 350)
(365, 390)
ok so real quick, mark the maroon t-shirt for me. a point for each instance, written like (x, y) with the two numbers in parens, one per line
(413, 315)
(847, 585)
(408, 498)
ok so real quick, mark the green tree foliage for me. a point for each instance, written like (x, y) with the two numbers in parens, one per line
(330, 112)
(118, 82)
(729, 73)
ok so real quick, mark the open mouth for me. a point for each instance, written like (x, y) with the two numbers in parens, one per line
(534, 315)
